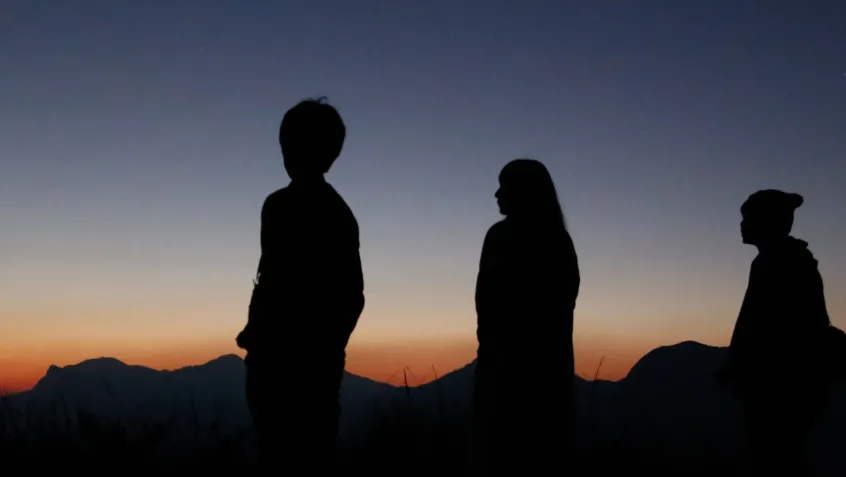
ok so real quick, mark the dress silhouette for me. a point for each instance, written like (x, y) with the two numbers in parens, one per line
(526, 292)
(306, 302)
(780, 337)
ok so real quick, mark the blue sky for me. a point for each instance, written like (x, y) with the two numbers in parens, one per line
(138, 140)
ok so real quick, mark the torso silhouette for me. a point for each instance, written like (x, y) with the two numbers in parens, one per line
(783, 321)
(525, 295)
(304, 309)
(777, 356)
(311, 269)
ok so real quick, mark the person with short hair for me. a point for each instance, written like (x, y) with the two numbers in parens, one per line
(307, 298)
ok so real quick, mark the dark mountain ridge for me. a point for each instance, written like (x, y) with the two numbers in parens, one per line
(668, 399)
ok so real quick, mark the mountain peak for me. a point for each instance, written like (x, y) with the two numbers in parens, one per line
(226, 358)
(666, 361)
(101, 361)
(93, 364)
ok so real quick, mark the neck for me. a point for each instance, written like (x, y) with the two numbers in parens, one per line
(308, 180)
(771, 243)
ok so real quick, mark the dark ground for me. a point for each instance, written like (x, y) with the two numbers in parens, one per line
(401, 440)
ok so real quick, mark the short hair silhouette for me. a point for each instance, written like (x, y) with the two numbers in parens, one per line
(532, 189)
(772, 209)
(311, 136)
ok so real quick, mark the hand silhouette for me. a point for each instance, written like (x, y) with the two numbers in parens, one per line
(245, 338)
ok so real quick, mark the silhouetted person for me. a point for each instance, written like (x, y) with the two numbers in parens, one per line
(777, 348)
(306, 302)
(525, 296)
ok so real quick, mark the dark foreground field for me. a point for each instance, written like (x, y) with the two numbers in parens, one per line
(400, 441)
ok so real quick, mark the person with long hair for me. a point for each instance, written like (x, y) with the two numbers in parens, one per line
(526, 292)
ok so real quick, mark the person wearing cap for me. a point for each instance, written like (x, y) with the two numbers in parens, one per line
(776, 347)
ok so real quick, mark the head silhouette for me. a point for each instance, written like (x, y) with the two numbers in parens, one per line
(526, 190)
(311, 136)
(768, 216)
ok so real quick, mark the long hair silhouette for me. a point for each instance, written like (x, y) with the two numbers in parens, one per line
(534, 193)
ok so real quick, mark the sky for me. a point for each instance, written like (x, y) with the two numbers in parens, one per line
(138, 141)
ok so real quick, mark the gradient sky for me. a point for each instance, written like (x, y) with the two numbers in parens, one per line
(138, 141)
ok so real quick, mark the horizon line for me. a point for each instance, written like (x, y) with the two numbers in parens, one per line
(436, 376)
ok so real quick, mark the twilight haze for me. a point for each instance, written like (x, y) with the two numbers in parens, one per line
(138, 141)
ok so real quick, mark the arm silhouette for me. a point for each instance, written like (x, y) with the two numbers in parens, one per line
(488, 288)
(350, 288)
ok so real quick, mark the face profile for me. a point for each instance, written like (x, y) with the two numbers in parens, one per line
(767, 215)
(526, 192)
(504, 197)
(753, 229)
(747, 230)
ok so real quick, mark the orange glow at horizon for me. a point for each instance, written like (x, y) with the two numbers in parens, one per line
(422, 360)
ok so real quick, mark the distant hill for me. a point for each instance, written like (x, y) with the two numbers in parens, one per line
(194, 395)
(668, 399)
